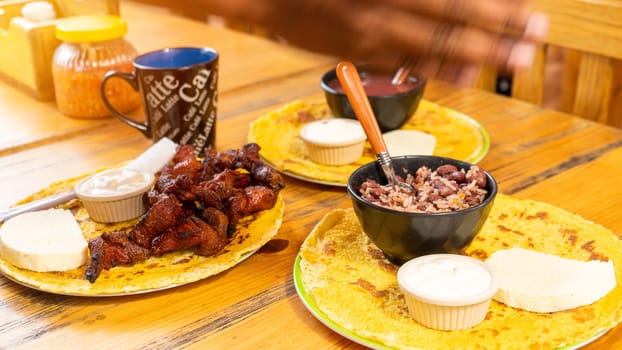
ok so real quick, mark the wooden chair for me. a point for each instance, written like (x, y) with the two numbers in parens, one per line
(590, 33)
(197, 12)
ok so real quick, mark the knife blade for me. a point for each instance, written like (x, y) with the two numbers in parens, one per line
(150, 161)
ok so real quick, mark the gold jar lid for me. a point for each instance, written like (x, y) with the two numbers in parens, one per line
(90, 28)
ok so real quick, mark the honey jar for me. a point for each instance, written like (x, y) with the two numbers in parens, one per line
(91, 46)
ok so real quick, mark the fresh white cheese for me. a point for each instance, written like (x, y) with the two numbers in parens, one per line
(403, 142)
(48, 240)
(542, 282)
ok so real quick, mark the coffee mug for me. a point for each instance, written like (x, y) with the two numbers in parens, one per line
(179, 92)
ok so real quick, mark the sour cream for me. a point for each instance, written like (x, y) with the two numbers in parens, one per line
(445, 276)
(115, 182)
(333, 132)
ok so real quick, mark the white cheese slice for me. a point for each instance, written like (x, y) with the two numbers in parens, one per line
(542, 282)
(409, 142)
(48, 240)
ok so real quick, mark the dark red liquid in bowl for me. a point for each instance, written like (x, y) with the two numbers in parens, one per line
(377, 84)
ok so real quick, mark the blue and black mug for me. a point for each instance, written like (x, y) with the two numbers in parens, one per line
(179, 92)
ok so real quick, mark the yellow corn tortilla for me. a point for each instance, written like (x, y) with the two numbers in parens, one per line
(457, 136)
(348, 279)
(156, 273)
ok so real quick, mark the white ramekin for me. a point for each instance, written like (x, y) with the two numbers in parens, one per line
(442, 312)
(112, 208)
(334, 141)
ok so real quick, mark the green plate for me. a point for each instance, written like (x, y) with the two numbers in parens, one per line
(308, 302)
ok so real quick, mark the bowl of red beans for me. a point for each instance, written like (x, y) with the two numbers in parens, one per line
(449, 203)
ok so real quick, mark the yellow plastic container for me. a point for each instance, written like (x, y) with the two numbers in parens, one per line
(26, 49)
(90, 47)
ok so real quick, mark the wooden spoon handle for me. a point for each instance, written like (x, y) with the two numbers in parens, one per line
(351, 82)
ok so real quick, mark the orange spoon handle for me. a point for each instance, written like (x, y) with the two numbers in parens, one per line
(351, 82)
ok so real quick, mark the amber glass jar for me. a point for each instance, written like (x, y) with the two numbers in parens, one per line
(90, 47)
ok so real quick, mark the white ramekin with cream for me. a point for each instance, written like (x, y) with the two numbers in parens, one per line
(334, 141)
(115, 195)
(447, 291)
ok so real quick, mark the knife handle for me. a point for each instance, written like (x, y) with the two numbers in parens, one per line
(39, 204)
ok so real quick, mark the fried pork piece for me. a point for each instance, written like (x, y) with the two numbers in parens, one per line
(180, 186)
(216, 162)
(194, 234)
(112, 249)
(248, 156)
(214, 192)
(165, 213)
(244, 158)
(231, 192)
(216, 218)
(265, 175)
(184, 163)
(248, 201)
(178, 176)
(258, 198)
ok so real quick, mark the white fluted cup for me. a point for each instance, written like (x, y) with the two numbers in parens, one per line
(115, 195)
(334, 141)
(447, 291)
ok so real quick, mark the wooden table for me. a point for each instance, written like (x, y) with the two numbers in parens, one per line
(535, 153)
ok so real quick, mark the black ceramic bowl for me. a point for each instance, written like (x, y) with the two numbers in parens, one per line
(392, 109)
(403, 235)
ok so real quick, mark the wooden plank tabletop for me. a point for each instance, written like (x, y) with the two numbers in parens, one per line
(535, 153)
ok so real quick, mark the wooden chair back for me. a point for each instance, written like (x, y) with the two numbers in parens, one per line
(590, 34)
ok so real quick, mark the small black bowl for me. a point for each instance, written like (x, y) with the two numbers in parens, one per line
(405, 235)
(391, 110)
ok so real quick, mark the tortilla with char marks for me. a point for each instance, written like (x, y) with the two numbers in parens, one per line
(349, 280)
